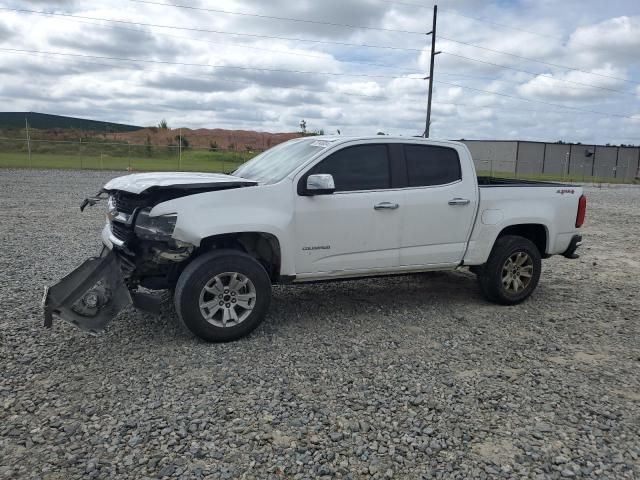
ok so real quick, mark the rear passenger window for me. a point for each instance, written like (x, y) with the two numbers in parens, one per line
(361, 167)
(429, 165)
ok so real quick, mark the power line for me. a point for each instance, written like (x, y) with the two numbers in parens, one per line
(271, 17)
(191, 76)
(254, 83)
(376, 97)
(494, 79)
(537, 61)
(537, 101)
(204, 30)
(511, 27)
(207, 65)
(502, 25)
(451, 12)
(336, 43)
(478, 19)
(408, 4)
(250, 47)
(536, 74)
(391, 47)
(277, 70)
(314, 41)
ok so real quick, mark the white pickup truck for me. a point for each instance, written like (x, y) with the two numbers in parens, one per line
(313, 209)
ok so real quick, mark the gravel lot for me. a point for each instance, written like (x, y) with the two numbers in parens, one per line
(407, 377)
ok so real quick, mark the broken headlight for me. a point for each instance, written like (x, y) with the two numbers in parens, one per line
(155, 228)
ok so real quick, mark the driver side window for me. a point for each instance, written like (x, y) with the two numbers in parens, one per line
(361, 167)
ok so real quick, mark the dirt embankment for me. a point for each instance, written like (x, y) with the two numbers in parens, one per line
(202, 137)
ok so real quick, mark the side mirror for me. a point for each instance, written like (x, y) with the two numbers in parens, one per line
(320, 184)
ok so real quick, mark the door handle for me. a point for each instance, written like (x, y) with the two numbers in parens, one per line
(459, 201)
(386, 206)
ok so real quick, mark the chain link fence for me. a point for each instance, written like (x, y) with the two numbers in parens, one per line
(20, 153)
(514, 159)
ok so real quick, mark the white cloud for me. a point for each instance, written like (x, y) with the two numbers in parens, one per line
(613, 40)
(597, 83)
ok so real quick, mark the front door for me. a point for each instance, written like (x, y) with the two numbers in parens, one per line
(357, 228)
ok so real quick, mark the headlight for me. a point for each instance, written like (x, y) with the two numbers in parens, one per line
(112, 209)
(155, 228)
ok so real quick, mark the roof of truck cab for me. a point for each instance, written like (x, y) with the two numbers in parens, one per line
(338, 139)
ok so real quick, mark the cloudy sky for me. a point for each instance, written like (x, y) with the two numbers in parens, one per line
(509, 69)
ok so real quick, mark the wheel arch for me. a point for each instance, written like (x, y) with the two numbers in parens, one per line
(263, 246)
(537, 233)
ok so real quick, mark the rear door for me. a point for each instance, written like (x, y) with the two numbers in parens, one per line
(439, 205)
(357, 228)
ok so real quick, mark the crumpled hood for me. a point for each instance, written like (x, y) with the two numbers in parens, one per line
(141, 182)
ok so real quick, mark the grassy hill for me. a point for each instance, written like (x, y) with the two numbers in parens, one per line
(44, 121)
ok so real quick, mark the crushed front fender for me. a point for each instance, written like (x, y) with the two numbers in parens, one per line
(90, 296)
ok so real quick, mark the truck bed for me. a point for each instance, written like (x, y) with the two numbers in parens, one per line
(514, 182)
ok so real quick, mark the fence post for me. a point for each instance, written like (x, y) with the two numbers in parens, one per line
(180, 151)
(517, 156)
(595, 154)
(26, 124)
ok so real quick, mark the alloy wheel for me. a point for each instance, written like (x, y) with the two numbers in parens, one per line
(227, 299)
(517, 272)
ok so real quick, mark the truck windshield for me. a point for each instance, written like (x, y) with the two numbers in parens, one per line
(276, 163)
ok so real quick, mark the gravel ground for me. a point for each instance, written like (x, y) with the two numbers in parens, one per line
(407, 377)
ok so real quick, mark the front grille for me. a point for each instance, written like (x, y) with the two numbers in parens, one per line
(122, 232)
(128, 202)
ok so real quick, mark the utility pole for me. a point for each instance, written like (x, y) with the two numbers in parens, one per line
(180, 150)
(430, 77)
(26, 124)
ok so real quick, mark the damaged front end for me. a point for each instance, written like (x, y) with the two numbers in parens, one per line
(90, 296)
(139, 249)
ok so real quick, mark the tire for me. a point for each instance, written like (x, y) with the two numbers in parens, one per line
(503, 279)
(208, 286)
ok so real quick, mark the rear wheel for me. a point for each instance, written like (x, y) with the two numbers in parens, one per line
(512, 272)
(223, 295)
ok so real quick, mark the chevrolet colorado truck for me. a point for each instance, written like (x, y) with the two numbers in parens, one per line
(313, 209)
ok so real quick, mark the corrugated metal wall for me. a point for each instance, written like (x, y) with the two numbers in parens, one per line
(627, 167)
(574, 161)
(494, 156)
(530, 158)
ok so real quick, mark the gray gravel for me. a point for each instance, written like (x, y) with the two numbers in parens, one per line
(412, 377)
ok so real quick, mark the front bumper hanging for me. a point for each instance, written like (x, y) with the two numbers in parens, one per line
(90, 296)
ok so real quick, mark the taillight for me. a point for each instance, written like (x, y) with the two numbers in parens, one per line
(582, 211)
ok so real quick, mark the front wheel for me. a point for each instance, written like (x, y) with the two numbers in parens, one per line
(223, 295)
(512, 272)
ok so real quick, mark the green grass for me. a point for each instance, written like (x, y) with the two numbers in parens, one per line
(192, 160)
